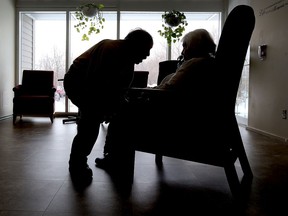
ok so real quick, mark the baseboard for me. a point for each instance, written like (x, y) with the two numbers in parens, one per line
(241, 120)
(5, 117)
(284, 139)
(65, 114)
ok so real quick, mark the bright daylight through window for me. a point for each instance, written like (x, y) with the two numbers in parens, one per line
(44, 43)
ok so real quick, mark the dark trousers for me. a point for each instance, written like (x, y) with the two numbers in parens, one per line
(125, 126)
(87, 134)
(114, 137)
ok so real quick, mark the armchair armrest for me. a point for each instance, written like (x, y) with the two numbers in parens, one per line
(20, 90)
(149, 91)
(52, 91)
(17, 88)
(151, 95)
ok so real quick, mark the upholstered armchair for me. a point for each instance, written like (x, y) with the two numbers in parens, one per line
(189, 132)
(35, 96)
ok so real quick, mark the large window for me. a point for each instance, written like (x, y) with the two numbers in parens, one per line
(45, 44)
(150, 21)
(241, 106)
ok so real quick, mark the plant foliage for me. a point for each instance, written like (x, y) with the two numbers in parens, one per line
(173, 26)
(87, 24)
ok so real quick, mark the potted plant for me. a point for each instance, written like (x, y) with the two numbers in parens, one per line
(90, 19)
(173, 26)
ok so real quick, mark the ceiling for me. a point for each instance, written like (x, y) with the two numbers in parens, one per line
(150, 5)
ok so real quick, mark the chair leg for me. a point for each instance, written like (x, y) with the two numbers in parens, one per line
(126, 167)
(245, 164)
(247, 178)
(131, 165)
(233, 180)
(14, 119)
(159, 160)
(52, 118)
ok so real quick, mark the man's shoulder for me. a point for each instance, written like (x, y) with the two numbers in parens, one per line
(110, 44)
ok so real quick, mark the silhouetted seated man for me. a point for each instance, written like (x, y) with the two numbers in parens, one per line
(154, 110)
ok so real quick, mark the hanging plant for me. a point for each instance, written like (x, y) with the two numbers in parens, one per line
(90, 19)
(173, 26)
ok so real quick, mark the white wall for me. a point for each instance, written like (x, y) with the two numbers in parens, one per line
(7, 56)
(268, 93)
(233, 3)
(269, 78)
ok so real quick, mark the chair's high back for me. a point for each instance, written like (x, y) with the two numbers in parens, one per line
(38, 81)
(165, 68)
(231, 52)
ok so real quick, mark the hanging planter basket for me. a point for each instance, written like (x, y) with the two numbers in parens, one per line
(90, 19)
(173, 26)
(173, 18)
(90, 11)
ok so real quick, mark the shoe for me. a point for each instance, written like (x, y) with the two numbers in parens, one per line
(105, 163)
(81, 174)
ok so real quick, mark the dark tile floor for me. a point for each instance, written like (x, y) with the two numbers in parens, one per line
(34, 178)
